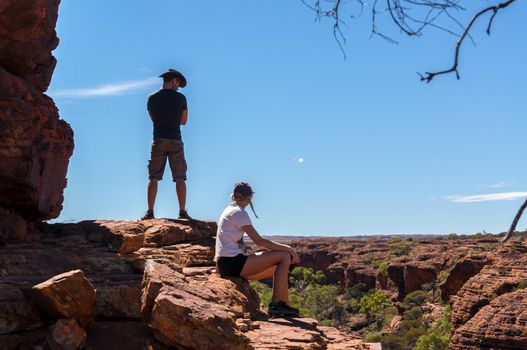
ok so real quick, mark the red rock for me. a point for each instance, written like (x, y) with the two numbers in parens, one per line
(502, 276)
(27, 37)
(122, 335)
(69, 295)
(9, 342)
(499, 325)
(166, 233)
(300, 333)
(460, 274)
(17, 313)
(184, 254)
(123, 236)
(363, 276)
(196, 313)
(14, 228)
(36, 147)
(118, 299)
(66, 334)
(409, 276)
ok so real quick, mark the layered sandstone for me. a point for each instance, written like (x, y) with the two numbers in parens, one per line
(35, 144)
(148, 294)
(489, 310)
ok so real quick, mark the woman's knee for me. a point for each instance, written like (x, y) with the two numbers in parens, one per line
(285, 257)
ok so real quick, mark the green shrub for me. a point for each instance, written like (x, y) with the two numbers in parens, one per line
(443, 275)
(374, 302)
(356, 291)
(373, 337)
(264, 292)
(400, 247)
(302, 277)
(432, 341)
(521, 285)
(393, 342)
(438, 337)
(383, 268)
(415, 298)
(415, 313)
(322, 303)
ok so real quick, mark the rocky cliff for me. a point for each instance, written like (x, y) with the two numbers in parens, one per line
(35, 144)
(137, 285)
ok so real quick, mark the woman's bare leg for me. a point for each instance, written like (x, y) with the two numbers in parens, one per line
(256, 264)
(267, 273)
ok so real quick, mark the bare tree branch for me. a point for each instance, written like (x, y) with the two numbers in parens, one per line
(402, 15)
(429, 76)
(514, 223)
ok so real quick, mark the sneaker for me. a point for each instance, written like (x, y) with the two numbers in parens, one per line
(280, 308)
(149, 215)
(184, 215)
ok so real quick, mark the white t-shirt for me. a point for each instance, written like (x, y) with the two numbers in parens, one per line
(229, 232)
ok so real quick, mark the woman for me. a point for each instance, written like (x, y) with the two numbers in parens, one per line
(274, 262)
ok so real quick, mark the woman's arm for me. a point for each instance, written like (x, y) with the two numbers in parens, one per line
(268, 244)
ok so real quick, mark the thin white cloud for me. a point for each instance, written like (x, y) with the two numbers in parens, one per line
(299, 160)
(490, 197)
(107, 90)
(499, 184)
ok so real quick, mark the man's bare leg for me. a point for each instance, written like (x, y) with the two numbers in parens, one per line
(181, 191)
(152, 193)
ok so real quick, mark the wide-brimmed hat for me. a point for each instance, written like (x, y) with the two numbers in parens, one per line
(176, 74)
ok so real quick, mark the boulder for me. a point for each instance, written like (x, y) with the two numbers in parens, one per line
(124, 237)
(68, 295)
(197, 312)
(66, 334)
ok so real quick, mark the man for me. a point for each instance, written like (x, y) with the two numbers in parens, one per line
(168, 110)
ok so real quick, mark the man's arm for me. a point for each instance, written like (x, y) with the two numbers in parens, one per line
(184, 117)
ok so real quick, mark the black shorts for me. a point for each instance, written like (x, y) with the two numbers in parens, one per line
(231, 266)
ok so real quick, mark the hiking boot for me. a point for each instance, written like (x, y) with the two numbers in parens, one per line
(149, 215)
(280, 308)
(184, 215)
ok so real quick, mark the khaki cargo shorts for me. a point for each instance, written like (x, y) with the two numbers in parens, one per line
(163, 149)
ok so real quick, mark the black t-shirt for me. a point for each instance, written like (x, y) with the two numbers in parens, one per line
(165, 107)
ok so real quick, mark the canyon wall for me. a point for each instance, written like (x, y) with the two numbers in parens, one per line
(35, 144)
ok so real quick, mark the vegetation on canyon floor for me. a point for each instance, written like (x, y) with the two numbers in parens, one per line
(370, 313)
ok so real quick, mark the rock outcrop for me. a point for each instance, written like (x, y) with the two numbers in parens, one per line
(461, 273)
(499, 325)
(35, 144)
(149, 294)
(488, 310)
(66, 334)
(68, 295)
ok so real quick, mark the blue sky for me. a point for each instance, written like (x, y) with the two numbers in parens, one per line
(332, 146)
